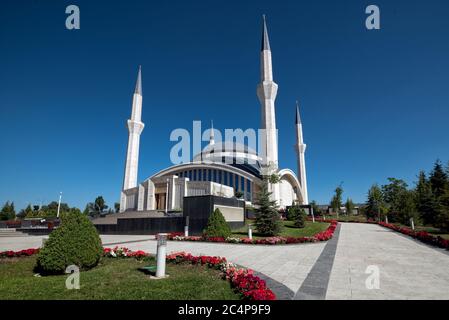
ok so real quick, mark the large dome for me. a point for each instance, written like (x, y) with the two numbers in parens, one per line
(231, 153)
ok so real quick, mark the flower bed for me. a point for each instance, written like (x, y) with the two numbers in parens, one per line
(122, 252)
(243, 280)
(21, 253)
(422, 236)
(321, 236)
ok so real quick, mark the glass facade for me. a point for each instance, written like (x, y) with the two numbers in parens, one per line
(227, 178)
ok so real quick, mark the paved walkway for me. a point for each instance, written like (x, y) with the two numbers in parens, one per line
(335, 269)
(408, 268)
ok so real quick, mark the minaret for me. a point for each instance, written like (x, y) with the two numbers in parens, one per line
(135, 128)
(266, 91)
(301, 149)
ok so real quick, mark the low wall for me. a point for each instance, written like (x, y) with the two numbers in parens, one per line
(145, 226)
(199, 208)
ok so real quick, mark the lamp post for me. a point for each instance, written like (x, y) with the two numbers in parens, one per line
(59, 204)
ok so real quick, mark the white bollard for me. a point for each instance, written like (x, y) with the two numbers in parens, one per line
(186, 231)
(412, 223)
(313, 216)
(386, 219)
(324, 217)
(161, 254)
(250, 232)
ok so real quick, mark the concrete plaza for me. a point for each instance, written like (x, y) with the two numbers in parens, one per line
(336, 269)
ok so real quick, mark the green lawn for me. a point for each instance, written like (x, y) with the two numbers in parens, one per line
(288, 230)
(114, 279)
(346, 218)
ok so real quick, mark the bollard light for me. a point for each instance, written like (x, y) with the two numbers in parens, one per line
(386, 219)
(250, 232)
(161, 254)
(412, 223)
(186, 231)
(313, 215)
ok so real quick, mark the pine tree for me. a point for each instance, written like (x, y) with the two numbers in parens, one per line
(349, 206)
(425, 202)
(300, 221)
(8, 212)
(375, 205)
(267, 218)
(438, 180)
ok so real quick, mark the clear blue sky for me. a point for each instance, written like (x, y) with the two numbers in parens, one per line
(375, 104)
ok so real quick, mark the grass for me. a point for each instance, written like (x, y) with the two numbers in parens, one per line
(288, 230)
(346, 218)
(114, 279)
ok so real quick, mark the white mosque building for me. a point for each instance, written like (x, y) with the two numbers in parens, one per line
(211, 172)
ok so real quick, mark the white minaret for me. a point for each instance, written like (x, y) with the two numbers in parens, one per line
(301, 149)
(266, 92)
(135, 128)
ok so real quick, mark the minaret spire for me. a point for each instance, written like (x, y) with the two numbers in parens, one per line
(266, 92)
(135, 128)
(138, 89)
(265, 38)
(301, 149)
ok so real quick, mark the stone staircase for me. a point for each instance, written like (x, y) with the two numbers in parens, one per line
(11, 232)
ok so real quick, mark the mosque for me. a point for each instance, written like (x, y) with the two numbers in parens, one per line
(222, 169)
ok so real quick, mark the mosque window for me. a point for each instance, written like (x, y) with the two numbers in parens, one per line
(215, 175)
(194, 175)
(219, 176)
(209, 175)
(248, 190)
(231, 179)
(190, 174)
(180, 174)
(226, 174)
(242, 184)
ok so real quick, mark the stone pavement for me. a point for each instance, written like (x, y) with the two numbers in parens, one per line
(408, 268)
(335, 269)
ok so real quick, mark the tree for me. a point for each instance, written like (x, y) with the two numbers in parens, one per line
(393, 196)
(438, 180)
(217, 226)
(300, 221)
(349, 206)
(315, 208)
(375, 205)
(336, 201)
(28, 212)
(425, 202)
(8, 212)
(97, 207)
(407, 207)
(117, 207)
(442, 219)
(267, 218)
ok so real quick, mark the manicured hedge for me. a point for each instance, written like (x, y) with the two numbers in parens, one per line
(75, 242)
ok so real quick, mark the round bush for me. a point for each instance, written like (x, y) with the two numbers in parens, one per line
(75, 242)
(217, 226)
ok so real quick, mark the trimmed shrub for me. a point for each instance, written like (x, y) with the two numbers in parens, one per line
(292, 213)
(300, 220)
(217, 226)
(75, 242)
